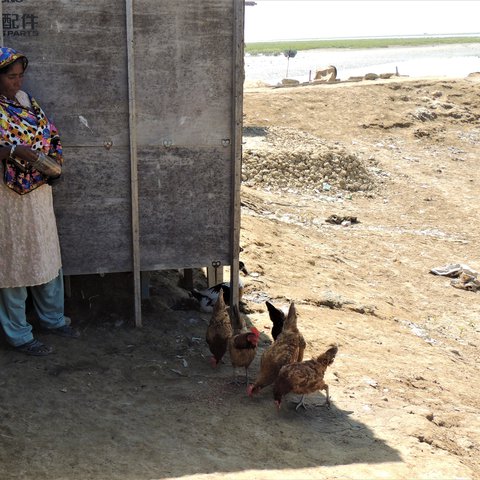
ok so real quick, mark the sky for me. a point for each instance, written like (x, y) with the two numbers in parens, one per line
(271, 20)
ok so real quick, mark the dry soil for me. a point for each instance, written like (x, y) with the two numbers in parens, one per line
(144, 404)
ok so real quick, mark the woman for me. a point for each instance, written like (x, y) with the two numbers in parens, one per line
(30, 250)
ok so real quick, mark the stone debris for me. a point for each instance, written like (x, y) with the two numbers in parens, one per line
(286, 159)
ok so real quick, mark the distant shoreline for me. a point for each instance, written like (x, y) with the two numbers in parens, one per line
(277, 48)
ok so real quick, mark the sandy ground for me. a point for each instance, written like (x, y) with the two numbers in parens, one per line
(138, 404)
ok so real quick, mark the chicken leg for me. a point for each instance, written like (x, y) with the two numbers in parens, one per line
(236, 381)
(301, 403)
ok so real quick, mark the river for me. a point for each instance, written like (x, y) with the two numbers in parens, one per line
(454, 60)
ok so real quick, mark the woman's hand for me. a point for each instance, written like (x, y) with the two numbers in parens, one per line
(25, 153)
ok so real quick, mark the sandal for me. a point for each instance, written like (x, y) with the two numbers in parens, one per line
(65, 331)
(35, 347)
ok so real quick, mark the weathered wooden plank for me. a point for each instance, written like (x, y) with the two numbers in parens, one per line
(92, 203)
(236, 152)
(132, 122)
(184, 62)
(184, 207)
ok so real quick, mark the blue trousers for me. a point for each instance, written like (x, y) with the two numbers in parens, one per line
(48, 300)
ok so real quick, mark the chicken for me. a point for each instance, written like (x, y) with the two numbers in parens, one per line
(243, 348)
(287, 348)
(304, 377)
(219, 330)
(277, 317)
(208, 296)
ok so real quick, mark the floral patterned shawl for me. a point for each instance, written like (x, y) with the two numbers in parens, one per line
(22, 125)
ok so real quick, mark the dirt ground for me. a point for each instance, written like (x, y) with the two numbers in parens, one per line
(144, 404)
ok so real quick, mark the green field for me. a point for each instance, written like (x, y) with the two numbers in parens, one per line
(277, 48)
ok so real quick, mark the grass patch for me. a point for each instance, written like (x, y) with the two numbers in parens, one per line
(277, 48)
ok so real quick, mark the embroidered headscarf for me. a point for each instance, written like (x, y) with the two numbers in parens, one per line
(9, 55)
(25, 125)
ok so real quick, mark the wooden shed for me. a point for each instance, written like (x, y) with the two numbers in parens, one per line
(147, 96)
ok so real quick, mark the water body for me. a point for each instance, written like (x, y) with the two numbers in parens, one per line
(456, 60)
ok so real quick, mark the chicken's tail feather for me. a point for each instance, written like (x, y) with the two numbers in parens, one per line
(328, 357)
(276, 315)
(219, 304)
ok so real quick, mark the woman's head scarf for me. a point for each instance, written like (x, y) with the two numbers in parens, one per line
(9, 55)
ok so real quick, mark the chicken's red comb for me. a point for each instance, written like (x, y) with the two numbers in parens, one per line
(255, 331)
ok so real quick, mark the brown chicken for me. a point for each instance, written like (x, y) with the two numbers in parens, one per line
(219, 330)
(287, 348)
(243, 348)
(304, 378)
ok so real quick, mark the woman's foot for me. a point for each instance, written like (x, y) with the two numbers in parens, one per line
(36, 348)
(65, 331)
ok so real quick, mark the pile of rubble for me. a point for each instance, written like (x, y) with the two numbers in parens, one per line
(283, 159)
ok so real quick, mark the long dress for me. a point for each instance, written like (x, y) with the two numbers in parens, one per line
(29, 245)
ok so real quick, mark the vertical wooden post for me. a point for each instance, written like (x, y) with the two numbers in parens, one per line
(188, 278)
(133, 163)
(214, 275)
(238, 73)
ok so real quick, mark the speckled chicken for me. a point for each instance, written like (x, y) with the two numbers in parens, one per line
(219, 330)
(304, 377)
(287, 348)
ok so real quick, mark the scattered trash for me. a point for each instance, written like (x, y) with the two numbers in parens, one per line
(453, 270)
(256, 297)
(466, 282)
(423, 114)
(371, 382)
(342, 220)
(419, 332)
(463, 276)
